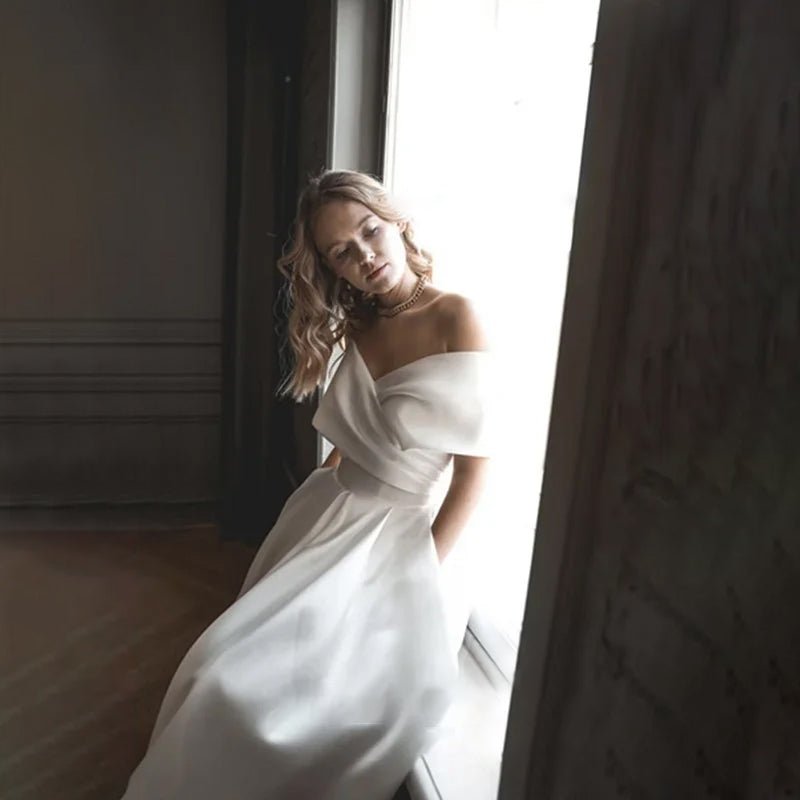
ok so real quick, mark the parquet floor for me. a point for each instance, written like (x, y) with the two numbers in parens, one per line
(92, 626)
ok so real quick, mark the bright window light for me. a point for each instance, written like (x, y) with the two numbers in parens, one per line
(485, 129)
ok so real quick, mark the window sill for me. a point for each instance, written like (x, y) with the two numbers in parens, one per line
(465, 763)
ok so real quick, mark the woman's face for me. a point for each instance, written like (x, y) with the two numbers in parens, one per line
(359, 246)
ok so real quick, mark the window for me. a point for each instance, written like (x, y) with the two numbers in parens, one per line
(485, 119)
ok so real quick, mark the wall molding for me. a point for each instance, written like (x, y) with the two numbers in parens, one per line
(109, 419)
(109, 383)
(43, 502)
(123, 332)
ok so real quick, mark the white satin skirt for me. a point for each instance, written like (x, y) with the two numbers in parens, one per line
(331, 672)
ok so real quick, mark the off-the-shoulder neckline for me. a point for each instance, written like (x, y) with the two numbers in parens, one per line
(408, 364)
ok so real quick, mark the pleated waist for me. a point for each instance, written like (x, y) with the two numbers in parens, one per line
(356, 479)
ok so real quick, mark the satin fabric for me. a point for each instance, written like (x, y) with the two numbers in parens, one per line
(331, 672)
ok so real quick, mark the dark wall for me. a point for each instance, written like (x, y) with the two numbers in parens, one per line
(112, 192)
(675, 671)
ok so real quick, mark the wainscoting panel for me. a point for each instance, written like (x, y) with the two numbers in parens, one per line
(114, 410)
(112, 227)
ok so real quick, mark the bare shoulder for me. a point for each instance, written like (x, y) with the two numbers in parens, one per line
(460, 324)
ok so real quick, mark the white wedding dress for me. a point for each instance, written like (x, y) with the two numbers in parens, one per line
(329, 674)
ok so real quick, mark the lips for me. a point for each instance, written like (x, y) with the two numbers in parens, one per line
(375, 273)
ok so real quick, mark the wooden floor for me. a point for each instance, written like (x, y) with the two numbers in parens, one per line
(92, 626)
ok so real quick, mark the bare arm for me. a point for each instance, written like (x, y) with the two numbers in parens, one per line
(463, 331)
(462, 496)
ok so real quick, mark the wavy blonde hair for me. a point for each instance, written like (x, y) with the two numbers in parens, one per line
(323, 307)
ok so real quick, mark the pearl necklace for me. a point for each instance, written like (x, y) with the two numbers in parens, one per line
(393, 311)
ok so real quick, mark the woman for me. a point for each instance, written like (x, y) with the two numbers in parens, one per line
(330, 673)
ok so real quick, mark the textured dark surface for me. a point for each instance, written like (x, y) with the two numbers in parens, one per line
(684, 676)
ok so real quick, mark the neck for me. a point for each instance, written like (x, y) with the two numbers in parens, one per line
(400, 293)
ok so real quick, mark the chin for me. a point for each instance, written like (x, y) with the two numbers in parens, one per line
(384, 282)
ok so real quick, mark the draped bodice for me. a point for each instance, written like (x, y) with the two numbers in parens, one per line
(404, 427)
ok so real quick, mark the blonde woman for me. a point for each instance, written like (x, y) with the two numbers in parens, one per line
(329, 675)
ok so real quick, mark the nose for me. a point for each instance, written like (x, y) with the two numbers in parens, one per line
(365, 255)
